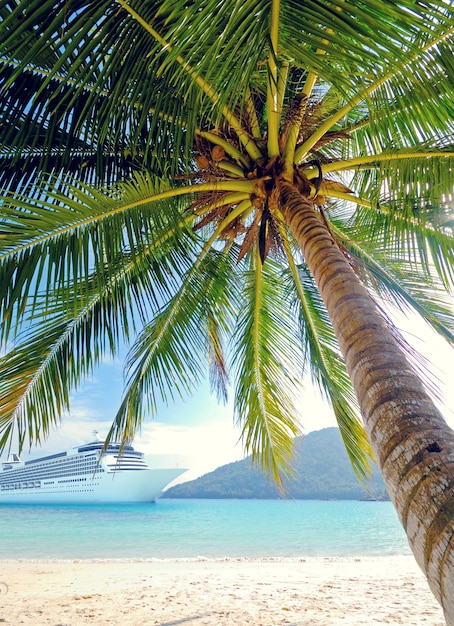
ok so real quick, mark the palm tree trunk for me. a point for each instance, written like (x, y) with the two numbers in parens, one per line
(412, 443)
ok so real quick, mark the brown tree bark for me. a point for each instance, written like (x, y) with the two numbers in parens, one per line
(412, 443)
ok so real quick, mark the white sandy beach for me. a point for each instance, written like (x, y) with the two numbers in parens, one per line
(306, 592)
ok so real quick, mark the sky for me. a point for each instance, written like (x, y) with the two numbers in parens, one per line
(199, 434)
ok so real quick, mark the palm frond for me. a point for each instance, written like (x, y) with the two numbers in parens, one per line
(323, 360)
(402, 89)
(64, 338)
(359, 41)
(79, 105)
(403, 178)
(395, 106)
(57, 239)
(418, 234)
(393, 275)
(267, 362)
(33, 394)
(114, 94)
(51, 357)
(169, 356)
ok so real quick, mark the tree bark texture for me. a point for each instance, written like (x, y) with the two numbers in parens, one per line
(412, 443)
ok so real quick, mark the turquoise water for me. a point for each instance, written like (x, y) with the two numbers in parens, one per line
(201, 529)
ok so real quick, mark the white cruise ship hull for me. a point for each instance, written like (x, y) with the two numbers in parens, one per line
(85, 474)
(124, 487)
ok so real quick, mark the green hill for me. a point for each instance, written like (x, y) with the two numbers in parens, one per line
(321, 471)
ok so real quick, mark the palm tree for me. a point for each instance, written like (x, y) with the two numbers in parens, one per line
(247, 184)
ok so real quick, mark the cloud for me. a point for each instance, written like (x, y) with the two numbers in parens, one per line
(201, 448)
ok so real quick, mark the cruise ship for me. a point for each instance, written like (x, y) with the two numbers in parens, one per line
(84, 474)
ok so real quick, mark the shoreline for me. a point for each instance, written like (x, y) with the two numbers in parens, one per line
(298, 591)
(215, 559)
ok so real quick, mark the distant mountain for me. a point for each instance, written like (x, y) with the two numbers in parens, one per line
(322, 472)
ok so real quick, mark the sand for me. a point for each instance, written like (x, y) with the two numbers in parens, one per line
(230, 592)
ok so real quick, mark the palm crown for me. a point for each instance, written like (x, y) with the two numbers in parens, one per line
(146, 150)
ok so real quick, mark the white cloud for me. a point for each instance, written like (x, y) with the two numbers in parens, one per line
(201, 449)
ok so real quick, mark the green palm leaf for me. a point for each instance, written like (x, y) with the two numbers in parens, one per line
(267, 363)
(59, 345)
(170, 354)
(325, 364)
(56, 241)
(395, 279)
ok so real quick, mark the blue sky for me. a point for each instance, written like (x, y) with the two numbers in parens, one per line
(197, 432)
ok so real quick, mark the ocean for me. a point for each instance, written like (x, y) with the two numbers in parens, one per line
(194, 529)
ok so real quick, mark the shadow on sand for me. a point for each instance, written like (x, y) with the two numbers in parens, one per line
(184, 620)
